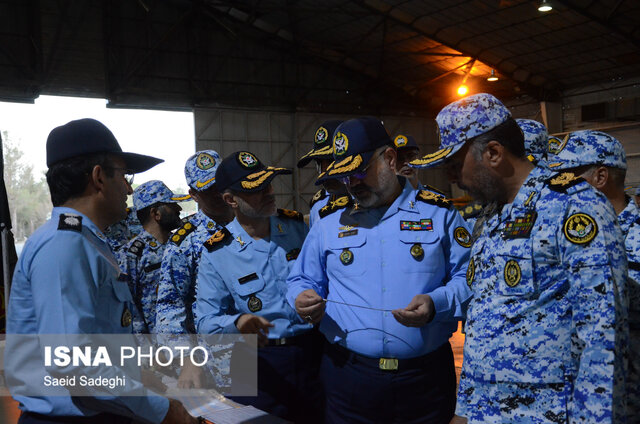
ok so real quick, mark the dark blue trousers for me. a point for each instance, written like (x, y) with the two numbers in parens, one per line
(288, 383)
(422, 390)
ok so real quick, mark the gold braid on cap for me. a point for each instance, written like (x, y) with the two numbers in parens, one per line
(339, 168)
(327, 150)
(432, 157)
(253, 184)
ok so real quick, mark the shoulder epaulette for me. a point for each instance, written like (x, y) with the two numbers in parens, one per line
(290, 214)
(187, 218)
(321, 194)
(217, 239)
(433, 199)
(334, 205)
(435, 190)
(136, 247)
(182, 232)
(472, 210)
(70, 222)
(563, 181)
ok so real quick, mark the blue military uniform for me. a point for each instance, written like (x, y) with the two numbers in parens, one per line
(67, 282)
(545, 328)
(536, 141)
(175, 309)
(176, 292)
(368, 262)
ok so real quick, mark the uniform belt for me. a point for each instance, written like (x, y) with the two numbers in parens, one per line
(289, 341)
(389, 364)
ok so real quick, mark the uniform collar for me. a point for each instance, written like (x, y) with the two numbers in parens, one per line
(201, 220)
(241, 240)
(405, 201)
(629, 215)
(149, 239)
(529, 192)
(86, 222)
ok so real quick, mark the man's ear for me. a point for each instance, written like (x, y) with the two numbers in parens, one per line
(599, 177)
(493, 154)
(391, 156)
(155, 214)
(97, 177)
(194, 195)
(229, 199)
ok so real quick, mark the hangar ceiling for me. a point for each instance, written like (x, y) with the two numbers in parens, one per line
(325, 56)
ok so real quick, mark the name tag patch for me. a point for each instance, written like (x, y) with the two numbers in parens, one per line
(247, 278)
(348, 233)
(422, 225)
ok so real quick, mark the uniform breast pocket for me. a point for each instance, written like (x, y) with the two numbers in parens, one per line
(249, 284)
(419, 251)
(347, 255)
(115, 303)
(514, 275)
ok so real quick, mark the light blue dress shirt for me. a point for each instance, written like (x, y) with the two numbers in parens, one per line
(232, 275)
(66, 282)
(383, 273)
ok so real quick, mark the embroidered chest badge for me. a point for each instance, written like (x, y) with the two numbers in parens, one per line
(462, 237)
(520, 227)
(580, 228)
(512, 273)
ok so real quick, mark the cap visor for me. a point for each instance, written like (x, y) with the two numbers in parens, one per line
(181, 197)
(323, 153)
(436, 158)
(138, 163)
(259, 180)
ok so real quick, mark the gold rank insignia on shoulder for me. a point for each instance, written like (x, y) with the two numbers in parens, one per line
(153, 243)
(433, 199)
(334, 205)
(182, 233)
(215, 240)
(580, 228)
(462, 237)
(254, 303)
(417, 251)
(126, 318)
(290, 214)
(520, 227)
(471, 272)
(346, 257)
(512, 273)
(210, 225)
(562, 182)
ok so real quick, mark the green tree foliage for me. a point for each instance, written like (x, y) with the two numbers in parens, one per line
(29, 200)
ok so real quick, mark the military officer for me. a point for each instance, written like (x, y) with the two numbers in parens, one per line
(322, 155)
(547, 270)
(123, 231)
(600, 159)
(67, 279)
(385, 278)
(242, 282)
(141, 258)
(176, 291)
(536, 141)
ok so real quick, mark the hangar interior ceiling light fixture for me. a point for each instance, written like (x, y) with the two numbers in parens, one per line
(545, 6)
(493, 76)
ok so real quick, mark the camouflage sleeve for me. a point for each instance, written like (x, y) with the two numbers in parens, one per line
(171, 316)
(591, 247)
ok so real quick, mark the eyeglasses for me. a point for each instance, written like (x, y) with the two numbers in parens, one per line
(126, 173)
(362, 174)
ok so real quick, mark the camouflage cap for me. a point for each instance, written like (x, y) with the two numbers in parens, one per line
(322, 143)
(536, 139)
(461, 121)
(587, 147)
(155, 191)
(354, 143)
(200, 169)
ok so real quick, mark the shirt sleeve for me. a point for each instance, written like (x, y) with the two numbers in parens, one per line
(308, 272)
(452, 298)
(66, 280)
(216, 307)
(175, 275)
(596, 260)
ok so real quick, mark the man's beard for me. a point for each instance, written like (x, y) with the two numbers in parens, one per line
(169, 221)
(486, 188)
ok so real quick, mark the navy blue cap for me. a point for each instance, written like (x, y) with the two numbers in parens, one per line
(353, 145)
(88, 136)
(243, 171)
(405, 142)
(322, 143)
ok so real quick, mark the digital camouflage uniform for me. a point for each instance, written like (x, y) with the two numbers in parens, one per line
(122, 231)
(179, 271)
(545, 331)
(597, 148)
(141, 257)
